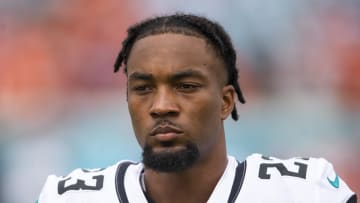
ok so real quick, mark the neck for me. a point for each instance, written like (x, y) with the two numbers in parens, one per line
(199, 181)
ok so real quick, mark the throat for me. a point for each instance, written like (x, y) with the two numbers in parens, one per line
(162, 187)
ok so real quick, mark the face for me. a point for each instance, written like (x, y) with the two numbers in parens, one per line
(177, 97)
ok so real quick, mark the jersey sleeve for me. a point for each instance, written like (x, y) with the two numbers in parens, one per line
(331, 188)
(81, 185)
(293, 180)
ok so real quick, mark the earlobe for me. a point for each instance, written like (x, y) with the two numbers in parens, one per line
(228, 101)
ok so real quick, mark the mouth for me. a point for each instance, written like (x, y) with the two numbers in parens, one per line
(165, 133)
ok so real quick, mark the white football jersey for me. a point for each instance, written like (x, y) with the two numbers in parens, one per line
(257, 179)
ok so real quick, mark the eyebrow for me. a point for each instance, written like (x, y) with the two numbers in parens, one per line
(141, 76)
(189, 73)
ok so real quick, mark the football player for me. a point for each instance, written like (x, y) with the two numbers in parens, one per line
(182, 85)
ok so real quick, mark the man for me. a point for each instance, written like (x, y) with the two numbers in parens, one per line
(182, 84)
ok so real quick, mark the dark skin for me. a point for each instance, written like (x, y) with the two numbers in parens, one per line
(180, 78)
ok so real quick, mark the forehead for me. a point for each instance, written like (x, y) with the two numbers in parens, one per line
(173, 51)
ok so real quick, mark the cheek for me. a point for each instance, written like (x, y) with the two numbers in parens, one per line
(206, 124)
(137, 118)
(205, 113)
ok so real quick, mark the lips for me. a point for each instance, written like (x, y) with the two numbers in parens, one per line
(165, 132)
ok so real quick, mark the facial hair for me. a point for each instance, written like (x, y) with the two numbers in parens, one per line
(170, 161)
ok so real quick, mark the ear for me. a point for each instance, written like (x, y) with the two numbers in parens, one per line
(228, 101)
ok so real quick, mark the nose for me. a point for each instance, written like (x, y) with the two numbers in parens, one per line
(164, 104)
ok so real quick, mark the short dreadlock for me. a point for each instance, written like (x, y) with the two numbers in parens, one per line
(191, 25)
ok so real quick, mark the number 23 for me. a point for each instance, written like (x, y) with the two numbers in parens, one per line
(301, 173)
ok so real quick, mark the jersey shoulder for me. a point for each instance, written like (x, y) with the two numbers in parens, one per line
(82, 185)
(298, 176)
(307, 168)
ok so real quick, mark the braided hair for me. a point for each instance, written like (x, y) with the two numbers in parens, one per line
(191, 25)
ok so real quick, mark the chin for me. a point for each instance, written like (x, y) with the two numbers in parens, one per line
(170, 159)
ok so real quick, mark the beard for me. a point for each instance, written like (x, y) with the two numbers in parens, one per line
(171, 161)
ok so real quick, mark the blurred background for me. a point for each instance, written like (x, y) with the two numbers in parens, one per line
(62, 107)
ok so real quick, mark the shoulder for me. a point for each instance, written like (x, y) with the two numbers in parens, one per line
(297, 176)
(310, 169)
(83, 185)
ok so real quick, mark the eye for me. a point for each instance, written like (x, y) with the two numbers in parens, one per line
(142, 89)
(187, 87)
